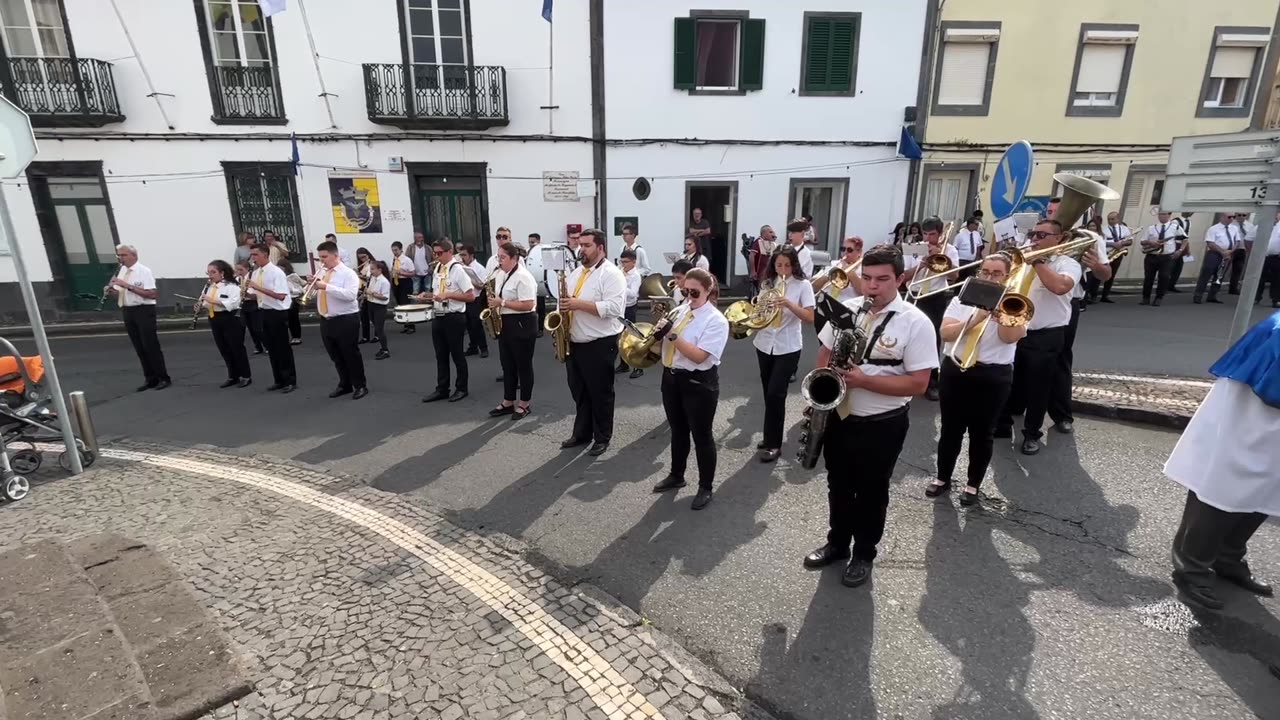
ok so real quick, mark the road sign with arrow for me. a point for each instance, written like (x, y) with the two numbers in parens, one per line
(1012, 177)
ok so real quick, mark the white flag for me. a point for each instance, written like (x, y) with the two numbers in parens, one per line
(271, 7)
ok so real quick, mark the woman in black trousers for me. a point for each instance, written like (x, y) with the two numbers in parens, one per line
(778, 346)
(223, 303)
(516, 303)
(249, 310)
(364, 268)
(970, 400)
(691, 350)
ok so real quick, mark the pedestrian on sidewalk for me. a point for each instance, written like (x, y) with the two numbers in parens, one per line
(135, 289)
(223, 303)
(1227, 461)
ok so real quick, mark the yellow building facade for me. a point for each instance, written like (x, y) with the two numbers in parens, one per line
(1098, 87)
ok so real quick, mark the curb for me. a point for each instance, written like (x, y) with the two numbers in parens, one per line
(1143, 416)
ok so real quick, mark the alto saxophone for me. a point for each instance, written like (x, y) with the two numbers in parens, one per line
(559, 321)
(824, 389)
(492, 319)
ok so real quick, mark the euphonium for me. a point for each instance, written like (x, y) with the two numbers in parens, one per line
(824, 389)
(492, 319)
(559, 321)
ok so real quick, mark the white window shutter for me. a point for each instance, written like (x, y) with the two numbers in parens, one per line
(1100, 68)
(1233, 62)
(964, 73)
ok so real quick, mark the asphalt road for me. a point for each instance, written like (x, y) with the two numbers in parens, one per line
(1051, 602)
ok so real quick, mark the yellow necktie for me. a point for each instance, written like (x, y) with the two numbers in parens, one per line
(582, 280)
(669, 354)
(395, 272)
(121, 292)
(213, 295)
(322, 302)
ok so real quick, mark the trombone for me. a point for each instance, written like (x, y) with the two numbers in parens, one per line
(937, 265)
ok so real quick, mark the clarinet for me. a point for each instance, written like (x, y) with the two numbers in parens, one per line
(102, 301)
(199, 304)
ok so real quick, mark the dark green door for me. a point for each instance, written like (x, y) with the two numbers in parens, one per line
(77, 220)
(457, 214)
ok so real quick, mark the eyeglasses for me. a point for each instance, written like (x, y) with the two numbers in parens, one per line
(1041, 234)
(503, 237)
(438, 252)
(693, 293)
(989, 275)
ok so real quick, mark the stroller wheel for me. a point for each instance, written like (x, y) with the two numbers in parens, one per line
(25, 462)
(15, 488)
(86, 459)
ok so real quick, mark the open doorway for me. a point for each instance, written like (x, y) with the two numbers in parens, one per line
(718, 203)
(824, 201)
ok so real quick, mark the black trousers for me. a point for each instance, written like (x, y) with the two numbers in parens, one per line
(969, 402)
(1208, 271)
(275, 336)
(1212, 542)
(515, 352)
(365, 320)
(475, 328)
(1239, 259)
(341, 335)
(1271, 277)
(860, 455)
(1033, 374)
(1092, 286)
(1060, 397)
(590, 370)
(447, 331)
(630, 314)
(1155, 271)
(378, 322)
(1175, 271)
(935, 306)
(689, 398)
(775, 378)
(228, 337)
(295, 320)
(542, 312)
(400, 291)
(140, 323)
(252, 318)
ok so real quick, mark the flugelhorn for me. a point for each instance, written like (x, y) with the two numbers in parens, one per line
(309, 292)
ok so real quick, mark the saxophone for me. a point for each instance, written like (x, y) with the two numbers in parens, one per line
(492, 319)
(824, 390)
(559, 321)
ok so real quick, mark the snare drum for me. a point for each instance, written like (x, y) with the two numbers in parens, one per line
(410, 314)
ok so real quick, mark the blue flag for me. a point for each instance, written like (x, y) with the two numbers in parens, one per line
(546, 10)
(908, 147)
(295, 158)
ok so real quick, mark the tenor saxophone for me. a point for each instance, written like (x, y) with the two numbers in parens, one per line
(559, 321)
(492, 319)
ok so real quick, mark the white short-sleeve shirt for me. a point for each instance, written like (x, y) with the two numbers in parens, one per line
(991, 349)
(708, 330)
(456, 281)
(519, 286)
(1053, 310)
(915, 266)
(380, 285)
(787, 337)
(227, 293)
(1169, 232)
(908, 337)
(138, 276)
(1099, 249)
(272, 278)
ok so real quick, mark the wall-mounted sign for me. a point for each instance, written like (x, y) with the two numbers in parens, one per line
(560, 185)
(356, 206)
(393, 215)
(618, 222)
(395, 163)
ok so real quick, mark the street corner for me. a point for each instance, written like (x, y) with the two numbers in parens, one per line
(1161, 400)
(298, 593)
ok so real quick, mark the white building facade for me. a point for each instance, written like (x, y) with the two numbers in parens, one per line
(172, 126)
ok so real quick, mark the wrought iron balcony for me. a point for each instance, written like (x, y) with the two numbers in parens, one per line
(62, 92)
(436, 97)
(248, 95)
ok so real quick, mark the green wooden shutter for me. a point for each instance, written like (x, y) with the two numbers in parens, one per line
(685, 63)
(751, 55)
(817, 54)
(840, 70)
(830, 54)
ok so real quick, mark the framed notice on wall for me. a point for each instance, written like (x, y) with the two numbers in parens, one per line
(356, 205)
(618, 222)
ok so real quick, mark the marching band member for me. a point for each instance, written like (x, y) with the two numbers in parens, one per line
(691, 352)
(778, 346)
(364, 267)
(502, 235)
(336, 291)
(1094, 262)
(135, 289)
(402, 272)
(795, 240)
(377, 296)
(516, 302)
(968, 244)
(934, 306)
(1117, 237)
(627, 261)
(631, 242)
(249, 307)
(1158, 247)
(970, 400)
(865, 435)
(269, 285)
(678, 272)
(223, 302)
(452, 291)
(693, 253)
(478, 344)
(297, 286)
(850, 253)
(1219, 241)
(1036, 361)
(760, 257)
(1271, 269)
(598, 292)
(533, 263)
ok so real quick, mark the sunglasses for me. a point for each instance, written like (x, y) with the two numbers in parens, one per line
(1040, 234)
(848, 250)
(693, 293)
(438, 252)
(503, 237)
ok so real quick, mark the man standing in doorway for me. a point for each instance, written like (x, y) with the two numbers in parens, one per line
(135, 290)
(700, 228)
(420, 253)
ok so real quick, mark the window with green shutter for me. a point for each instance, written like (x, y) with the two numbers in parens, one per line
(830, 62)
(718, 53)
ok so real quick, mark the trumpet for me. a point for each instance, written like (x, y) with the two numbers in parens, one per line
(492, 319)
(309, 292)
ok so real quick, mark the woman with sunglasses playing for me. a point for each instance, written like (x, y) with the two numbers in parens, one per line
(778, 346)
(970, 400)
(850, 254)
(516, 300)
(691, 351)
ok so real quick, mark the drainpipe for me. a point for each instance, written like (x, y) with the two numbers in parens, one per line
(922, 97)
(598, 160)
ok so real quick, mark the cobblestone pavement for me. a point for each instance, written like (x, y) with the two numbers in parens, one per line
(347, 602)
(1158, 399)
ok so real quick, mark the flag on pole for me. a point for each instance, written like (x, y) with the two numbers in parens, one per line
(907, 145)
(295, 158)
(271, 7)
(546, 9)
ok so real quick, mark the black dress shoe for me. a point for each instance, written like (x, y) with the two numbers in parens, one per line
(1065, 427)
(274, 387)
(339, 392)
(245, 382)
(381, 355)
(636, 373)
(1107, 300)
(760, 445)
(484, 354)
(598, 449)
(931, 394)
(1156, 302)
(472, 352)
(359, 393)
(288, 389)
(573, 443)
(620, 369)
(769, 456)
(702, 499)
(1249, 582)
(671, 482)
(163, 384)
(1030, 447)
(968, 498)
(1215, 301)
(144, 388)
(457, 395)
(435, 397)
(824, 556)
(228, 383)
(857, 572)
(1199, 595)
(502, 410)
(1145, 301)
(1197, 301)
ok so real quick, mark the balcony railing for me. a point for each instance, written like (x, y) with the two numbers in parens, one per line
(439, 97)
(246, 95)
(62, 92)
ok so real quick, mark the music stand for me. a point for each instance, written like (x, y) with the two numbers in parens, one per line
(827, 309)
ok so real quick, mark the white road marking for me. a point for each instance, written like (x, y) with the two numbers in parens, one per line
(606, 687)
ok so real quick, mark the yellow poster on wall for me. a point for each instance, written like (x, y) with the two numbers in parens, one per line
(356, 206)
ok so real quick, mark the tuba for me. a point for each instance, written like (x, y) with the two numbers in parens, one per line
(559, 322)
(824, 389)
(492, 319)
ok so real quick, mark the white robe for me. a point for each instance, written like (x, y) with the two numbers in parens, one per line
(1229, 455)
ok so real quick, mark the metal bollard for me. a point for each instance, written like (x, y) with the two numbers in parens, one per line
(84, 421)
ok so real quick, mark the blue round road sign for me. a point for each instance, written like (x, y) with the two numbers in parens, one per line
(1012, 177)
